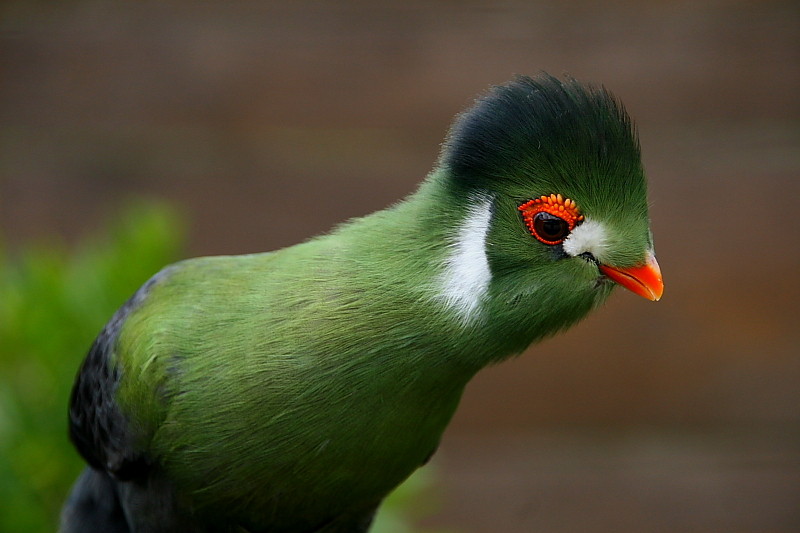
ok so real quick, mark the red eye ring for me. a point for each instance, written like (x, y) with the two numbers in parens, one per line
(550, 218)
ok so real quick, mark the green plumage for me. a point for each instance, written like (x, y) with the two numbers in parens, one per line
(291, 391)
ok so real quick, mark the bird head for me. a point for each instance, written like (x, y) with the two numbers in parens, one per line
(554, 170)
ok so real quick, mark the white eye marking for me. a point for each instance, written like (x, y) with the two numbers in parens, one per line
(588, 237)
(466, 274)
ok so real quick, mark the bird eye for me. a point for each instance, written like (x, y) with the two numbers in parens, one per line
(550, 218)
(549, 229)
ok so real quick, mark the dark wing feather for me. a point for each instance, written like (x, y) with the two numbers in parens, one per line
(97, 426)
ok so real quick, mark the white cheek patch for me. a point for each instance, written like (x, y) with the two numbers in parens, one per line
(466, 275)
(588, 237)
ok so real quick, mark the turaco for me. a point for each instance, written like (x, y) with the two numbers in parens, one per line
(290, 391)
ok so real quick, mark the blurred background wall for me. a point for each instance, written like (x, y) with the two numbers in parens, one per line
(677, 416)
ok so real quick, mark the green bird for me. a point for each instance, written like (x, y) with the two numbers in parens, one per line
(290, 391)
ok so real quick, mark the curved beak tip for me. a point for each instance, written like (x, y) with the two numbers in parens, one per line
(644, 280)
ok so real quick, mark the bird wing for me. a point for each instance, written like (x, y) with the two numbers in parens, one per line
(97, 426)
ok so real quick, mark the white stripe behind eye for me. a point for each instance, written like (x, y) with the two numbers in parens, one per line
(466, 274)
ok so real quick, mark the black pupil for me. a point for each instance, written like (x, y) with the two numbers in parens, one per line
(550, 227)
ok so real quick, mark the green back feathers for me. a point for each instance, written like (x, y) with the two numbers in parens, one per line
(335, 364)
(269, 352)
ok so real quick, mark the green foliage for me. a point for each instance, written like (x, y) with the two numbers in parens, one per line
(408, 504)
(53, 302)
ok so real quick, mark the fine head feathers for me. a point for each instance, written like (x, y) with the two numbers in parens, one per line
(560, 161)
(543, 136)
(560, 133)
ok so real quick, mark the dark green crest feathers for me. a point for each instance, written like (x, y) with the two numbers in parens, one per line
(543, 126)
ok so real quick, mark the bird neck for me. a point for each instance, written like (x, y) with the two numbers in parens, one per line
(426, 274)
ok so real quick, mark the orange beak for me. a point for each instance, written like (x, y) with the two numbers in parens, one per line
(644, 280)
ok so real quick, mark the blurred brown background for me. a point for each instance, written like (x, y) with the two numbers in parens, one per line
(677, 416)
